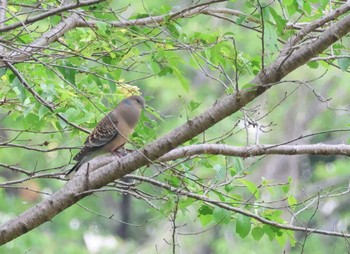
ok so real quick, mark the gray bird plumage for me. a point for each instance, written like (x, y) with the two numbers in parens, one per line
(112, 132)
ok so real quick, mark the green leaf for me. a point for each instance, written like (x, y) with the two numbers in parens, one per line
(307, 7)
(286, 187)
(72, 113)
(2, 71)
(313, 65)
(205, 210)
(18, 89)
(251, 187)
(288, 2)
(42, 111)
(220, 172)
(344, 63)
(205, 38)
(246, 86)
(238, 164)
(281, 238)
(292, 201)
(221, 53)
(174, 181)
(174, 29)
(193, 105)
(280, 22)
(292, 7)
(221, 215)
(164, 9)
(243, 225)
(273, 215)
(240, 19)
(270, 38)
(185, 202)
(183, 81)
(206, 219)
(102, 27)
(271, 233)
(257, 233)
(68, 73)
(233, 171)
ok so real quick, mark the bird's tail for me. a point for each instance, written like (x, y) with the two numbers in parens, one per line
(76, 166)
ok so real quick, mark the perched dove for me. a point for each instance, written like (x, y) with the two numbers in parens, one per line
(112, 132)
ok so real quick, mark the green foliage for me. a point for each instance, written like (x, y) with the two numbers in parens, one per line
(243, 225)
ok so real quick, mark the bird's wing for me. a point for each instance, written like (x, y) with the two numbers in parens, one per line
(104, 132)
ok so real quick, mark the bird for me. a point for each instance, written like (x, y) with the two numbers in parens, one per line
(112, 132)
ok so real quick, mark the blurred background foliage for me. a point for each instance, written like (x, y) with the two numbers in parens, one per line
(181, 67)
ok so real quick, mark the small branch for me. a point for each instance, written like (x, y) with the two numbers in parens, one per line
(15, 169)
(191, 11)
(49, 13)
(27, 147)
(3, 7)
(317, 24)
(42, 101)
(328, 58)
(236, 209)
(31, 177)
(52, 35)
(251, 151)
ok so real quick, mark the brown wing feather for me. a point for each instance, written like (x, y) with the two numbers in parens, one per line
(104, 132)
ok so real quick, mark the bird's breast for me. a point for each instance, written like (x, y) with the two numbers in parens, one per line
(124, 131)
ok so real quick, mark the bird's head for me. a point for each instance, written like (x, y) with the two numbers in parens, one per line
(135, 100)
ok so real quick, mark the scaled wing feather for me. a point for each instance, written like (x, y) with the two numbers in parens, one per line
(104, 132)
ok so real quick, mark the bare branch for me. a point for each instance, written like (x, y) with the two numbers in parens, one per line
(31, 148)
(250, 151)
(3, 6)
(52, 35)
(236, 209)
(49, 13)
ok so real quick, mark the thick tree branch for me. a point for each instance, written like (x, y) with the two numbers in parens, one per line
(224, 107)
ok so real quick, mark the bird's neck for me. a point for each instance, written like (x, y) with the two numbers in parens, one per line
(130, 115)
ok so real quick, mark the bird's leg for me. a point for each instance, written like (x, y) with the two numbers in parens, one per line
(120, 152)
(128, 150)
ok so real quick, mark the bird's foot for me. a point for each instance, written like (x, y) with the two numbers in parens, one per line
(120, 152)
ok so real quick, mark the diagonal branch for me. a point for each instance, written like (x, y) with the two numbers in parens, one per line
(41, 100)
